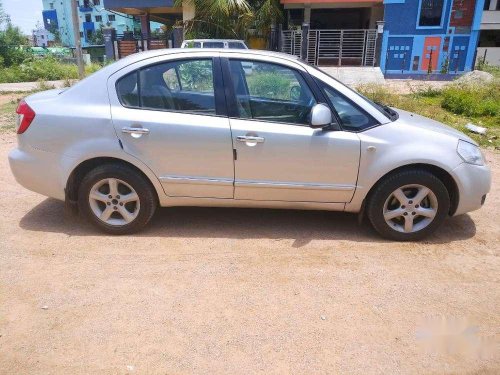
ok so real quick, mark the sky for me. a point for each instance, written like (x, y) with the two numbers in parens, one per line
(24, 13)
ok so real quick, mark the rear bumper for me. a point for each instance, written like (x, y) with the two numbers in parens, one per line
(38, 171)
(474, 182)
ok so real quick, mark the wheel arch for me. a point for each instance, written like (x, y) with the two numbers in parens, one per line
(444, 176)
(78, 173)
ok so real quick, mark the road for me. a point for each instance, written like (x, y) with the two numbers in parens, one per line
(244, 291)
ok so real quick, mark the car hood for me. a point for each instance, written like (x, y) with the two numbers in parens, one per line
(416, 121)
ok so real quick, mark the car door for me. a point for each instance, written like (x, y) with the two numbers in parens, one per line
(171, 115)
(279, 157)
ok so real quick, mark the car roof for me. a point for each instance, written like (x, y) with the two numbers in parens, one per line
(214, 40)
(136, 57)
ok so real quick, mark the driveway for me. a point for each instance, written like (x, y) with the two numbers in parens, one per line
(244, 291)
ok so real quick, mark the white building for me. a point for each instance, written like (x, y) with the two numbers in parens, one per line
(489, 39)
(42, 37)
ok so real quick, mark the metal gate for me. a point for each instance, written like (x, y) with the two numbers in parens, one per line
(125, 47)
(291, 41)
(334, 47)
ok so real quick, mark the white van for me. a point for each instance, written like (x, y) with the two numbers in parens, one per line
(214, 43)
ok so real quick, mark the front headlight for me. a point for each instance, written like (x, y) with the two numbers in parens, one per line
(470, 153)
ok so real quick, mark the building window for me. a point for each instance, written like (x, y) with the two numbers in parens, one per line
(81, 34)
(97, 2)
(486, 5)
(51, 6)
(111, 17)
(88, 18)
(98, 18)
(431, 13)
(498, 5)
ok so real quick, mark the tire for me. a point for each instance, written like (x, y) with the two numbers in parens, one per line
(415, 218)
(121, 212)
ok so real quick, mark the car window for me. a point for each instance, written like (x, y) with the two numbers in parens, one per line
(351, 116)
(192, 44)
(196, 75)
(127, 91)
(271, 92)
(236, 45)
(185, 86)
(171, 79)
(213, 44)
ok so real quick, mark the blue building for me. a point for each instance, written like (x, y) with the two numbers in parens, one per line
(92, 15)
(429, 36)
(406, 38)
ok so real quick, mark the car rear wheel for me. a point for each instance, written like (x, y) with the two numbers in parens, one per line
(116, 199)
(408, 205)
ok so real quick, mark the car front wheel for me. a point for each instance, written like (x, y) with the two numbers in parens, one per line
(116, 199)
(408, 205)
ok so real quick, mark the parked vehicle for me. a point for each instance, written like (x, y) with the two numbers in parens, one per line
(190, 127)
(214, 43)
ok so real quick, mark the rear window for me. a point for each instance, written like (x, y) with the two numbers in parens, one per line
(213, 44)
(128, 91)
(236, 45)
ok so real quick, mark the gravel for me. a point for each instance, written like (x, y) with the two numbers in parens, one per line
(244, 291)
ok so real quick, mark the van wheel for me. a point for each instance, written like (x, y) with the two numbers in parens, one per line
(408, 205)
(116, 199)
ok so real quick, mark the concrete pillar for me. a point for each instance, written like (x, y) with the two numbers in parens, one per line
(178, 36)
(305, 41)
(109, 43)
(307, 14)
(145, 26)
(280, 37)
(187, 10)
(380, 36)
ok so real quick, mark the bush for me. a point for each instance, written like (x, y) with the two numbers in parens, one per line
(269, 85)
(46, 69)
(473, 100)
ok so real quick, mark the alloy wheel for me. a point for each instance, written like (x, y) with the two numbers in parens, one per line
(410, 208)
(114, 202)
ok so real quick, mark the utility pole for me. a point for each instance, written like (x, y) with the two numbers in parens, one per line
(78, 41)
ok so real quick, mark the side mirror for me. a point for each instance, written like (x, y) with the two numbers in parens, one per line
(321, 116)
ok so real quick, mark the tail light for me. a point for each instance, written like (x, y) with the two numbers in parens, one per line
(25, 116)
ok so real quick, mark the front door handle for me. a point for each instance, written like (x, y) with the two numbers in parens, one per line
(250, 139)
(135, 132)
(130, 130)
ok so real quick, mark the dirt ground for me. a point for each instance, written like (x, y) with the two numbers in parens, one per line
(244, 291)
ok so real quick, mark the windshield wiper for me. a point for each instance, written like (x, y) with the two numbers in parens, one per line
(393, 115)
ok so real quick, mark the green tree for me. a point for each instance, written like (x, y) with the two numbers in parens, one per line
(97, 37)
(4, 17)
(231, 18)
(11, 41)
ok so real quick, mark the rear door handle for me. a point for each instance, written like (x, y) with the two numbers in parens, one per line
(249, 139)
(130, 130)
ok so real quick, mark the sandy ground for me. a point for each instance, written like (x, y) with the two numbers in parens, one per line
(244, 291)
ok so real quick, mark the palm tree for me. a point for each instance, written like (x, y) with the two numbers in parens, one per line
(231, 18)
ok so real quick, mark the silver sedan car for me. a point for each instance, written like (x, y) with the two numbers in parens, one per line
(235, 128)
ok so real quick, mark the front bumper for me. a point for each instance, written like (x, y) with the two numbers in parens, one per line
(473, 182)
(37, 171)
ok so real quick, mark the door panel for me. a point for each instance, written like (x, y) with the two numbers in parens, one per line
(294, 163)
(167, 129)
(191, 154)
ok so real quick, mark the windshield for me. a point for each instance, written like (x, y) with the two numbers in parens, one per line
(388, 112)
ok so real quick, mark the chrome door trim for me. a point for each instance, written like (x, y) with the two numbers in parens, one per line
(291, 185)
(196, 180)
(250, 139)
(132, 130)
